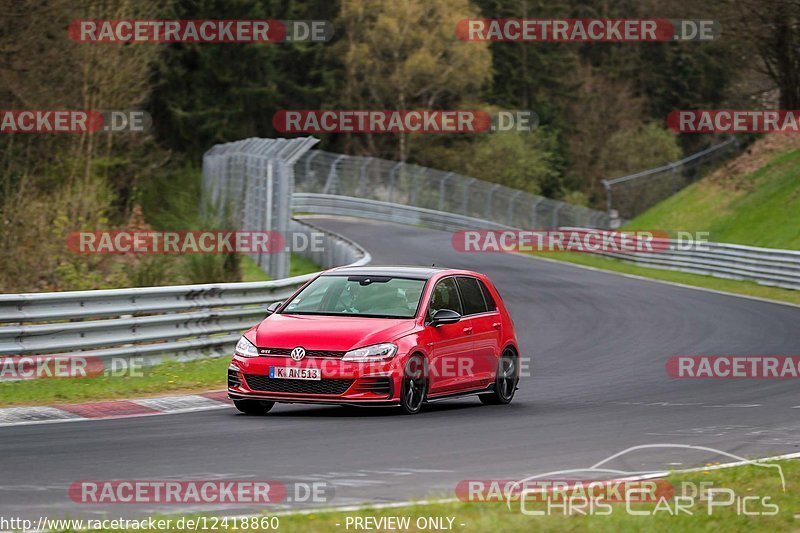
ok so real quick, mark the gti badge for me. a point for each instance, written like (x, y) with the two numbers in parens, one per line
(298, 353)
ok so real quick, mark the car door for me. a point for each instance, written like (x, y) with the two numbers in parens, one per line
(485, 323)
(448, 344)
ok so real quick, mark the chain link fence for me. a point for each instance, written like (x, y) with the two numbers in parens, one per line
(254, 180)
(396, 182)
(250, 183)
(633, 194)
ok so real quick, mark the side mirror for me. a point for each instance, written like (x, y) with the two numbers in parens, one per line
(273, 307)
(445, 316)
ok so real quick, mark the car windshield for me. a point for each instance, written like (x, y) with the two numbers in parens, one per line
(368, 296)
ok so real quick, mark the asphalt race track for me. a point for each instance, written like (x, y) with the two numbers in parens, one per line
(597, 342)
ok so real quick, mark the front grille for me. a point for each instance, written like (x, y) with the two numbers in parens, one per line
(309, 353)
(297, 386)
(233, 379)
(382, 386)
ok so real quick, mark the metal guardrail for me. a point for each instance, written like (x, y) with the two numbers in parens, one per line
(155, 323)
(765, 266)
(331, 204)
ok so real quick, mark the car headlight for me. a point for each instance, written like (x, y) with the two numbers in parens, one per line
(245, 348)
(376, 352)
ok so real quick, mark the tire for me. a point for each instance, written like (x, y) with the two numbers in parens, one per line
(414, 386)
(505, 381)
(253, 407)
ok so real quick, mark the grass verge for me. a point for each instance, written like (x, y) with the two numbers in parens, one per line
(761, 486)
(170, 377)
(748, 288)
(298, 265)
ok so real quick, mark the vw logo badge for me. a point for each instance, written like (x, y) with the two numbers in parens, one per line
(298, 353)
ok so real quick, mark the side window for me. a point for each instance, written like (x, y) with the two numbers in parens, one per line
(487, 297)
(471, 296)
(445, 296)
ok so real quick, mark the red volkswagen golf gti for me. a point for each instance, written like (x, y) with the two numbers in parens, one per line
(389, 336)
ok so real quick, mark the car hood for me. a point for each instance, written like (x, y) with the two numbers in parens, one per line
(314, 332)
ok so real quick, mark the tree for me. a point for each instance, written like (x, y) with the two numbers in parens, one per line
(43, 69)
(631, 150)
(405, 55)
(772, 30)
(207, 94)
(529, 160)
(54, 184)
(531, 75)
(602, 108)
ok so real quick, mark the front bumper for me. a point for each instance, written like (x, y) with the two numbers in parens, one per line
(341, 382)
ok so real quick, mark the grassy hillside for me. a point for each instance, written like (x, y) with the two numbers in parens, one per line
(755, 199)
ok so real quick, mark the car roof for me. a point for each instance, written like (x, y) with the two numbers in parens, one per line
(413, 272)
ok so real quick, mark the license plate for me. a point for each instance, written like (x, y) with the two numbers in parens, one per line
(289, 372)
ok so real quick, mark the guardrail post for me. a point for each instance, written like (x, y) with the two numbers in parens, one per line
(607, 187)
(393, 179)
(511, 202)
(555, 214)
(488, 213)
(441, 189)
(465, 198)
(309, 173)
(415, 191)
(585, 217)
(362, 180)
(534, 211)
(333, 178)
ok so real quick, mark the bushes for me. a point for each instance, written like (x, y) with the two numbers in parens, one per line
(629, 151)
(36, 223)
(33, 251)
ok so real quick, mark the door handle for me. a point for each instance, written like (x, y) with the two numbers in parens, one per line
(496, 325)
(468, 331)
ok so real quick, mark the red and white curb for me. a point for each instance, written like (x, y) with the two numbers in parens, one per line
(162, 405)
